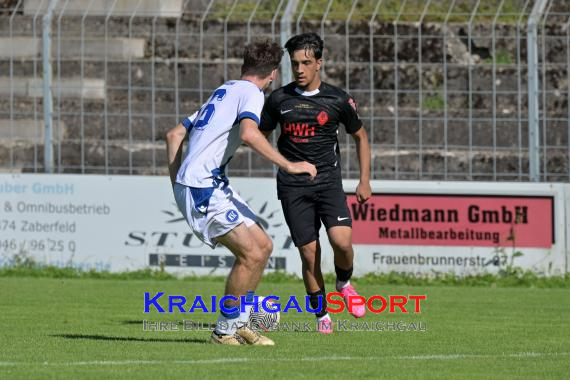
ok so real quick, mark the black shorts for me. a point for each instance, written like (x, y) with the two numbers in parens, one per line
(304, 212)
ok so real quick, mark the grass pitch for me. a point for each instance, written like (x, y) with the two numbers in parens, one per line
(80, 328)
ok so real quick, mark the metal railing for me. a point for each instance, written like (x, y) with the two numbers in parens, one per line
(448, 90)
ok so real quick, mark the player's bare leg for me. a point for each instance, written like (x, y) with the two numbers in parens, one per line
(263, 241)
(340, 238)
(311, 266)
(242, 280)
(315, 284)
(250, 260)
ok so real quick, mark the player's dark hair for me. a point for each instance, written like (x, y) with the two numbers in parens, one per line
(261, 58)
(308, 42)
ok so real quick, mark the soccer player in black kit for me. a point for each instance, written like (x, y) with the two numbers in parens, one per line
(309, 112)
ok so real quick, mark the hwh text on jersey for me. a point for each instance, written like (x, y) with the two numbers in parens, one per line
(298, 129)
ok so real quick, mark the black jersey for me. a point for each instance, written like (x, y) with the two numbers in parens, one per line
(309, 126)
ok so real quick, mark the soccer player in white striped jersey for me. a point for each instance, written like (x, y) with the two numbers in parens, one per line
(212, 208)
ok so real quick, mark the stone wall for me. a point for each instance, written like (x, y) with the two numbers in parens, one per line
(145, 96)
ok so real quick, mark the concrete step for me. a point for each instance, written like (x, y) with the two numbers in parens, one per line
(150, 8)
(30, 130)
(112, 48)
(69, 87)
(20, 47)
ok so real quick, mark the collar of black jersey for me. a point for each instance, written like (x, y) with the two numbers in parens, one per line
(293, 87)
(307, 93)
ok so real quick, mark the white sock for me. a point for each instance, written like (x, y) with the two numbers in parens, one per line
(249, 299)
(342, 284)
(244, 317)
(226, 325)
(325, 317)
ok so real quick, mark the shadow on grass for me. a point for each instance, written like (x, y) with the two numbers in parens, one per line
(130, 338)
(132, 322)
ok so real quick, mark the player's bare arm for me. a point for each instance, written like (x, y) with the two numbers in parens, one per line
(174, 141)
(363, 190)
(251, 136)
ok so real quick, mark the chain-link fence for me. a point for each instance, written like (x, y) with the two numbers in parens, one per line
(442, 86)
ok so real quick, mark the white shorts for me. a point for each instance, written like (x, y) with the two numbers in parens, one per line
(212, 212)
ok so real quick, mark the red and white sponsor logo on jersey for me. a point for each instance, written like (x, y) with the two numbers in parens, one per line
(298, 132)
(322, 118)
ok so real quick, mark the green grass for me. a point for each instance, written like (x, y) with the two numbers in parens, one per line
(502, 57)
(409, 11)
(433, 102)
(507, 276)
(88, 328)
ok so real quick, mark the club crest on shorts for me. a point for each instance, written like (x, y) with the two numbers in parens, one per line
(322, 118)
(232, 216)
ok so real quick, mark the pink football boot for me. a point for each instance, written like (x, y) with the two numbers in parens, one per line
(358, 311)
(325, 326)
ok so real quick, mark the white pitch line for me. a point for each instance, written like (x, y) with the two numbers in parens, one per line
(318, 359)
(213, 361)
(310, 359)
(440, 357)
(108, 362)
(481, 356)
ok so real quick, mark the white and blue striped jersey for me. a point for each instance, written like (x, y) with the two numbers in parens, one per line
(214, 132)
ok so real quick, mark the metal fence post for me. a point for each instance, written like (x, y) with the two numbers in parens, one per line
(153, 100)
(324, 18)
(372, 137)
(420, 90)
(250, 19)
(201, 53)
(59, 91)
(301, 13)
(108, 15)
(130, 86)
(274, 18)
(284, 36)
(567, 27)
(396, 92)
(36, 112)
(494, 76)
(470, 92)
(12, 80)
(82, 77)
(533, 107)
(347, 77)
(445, 30)
(226, 20)
(519, 89)
(48, 108)
(177, 62)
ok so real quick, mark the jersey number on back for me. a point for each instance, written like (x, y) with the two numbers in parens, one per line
(208, 110)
